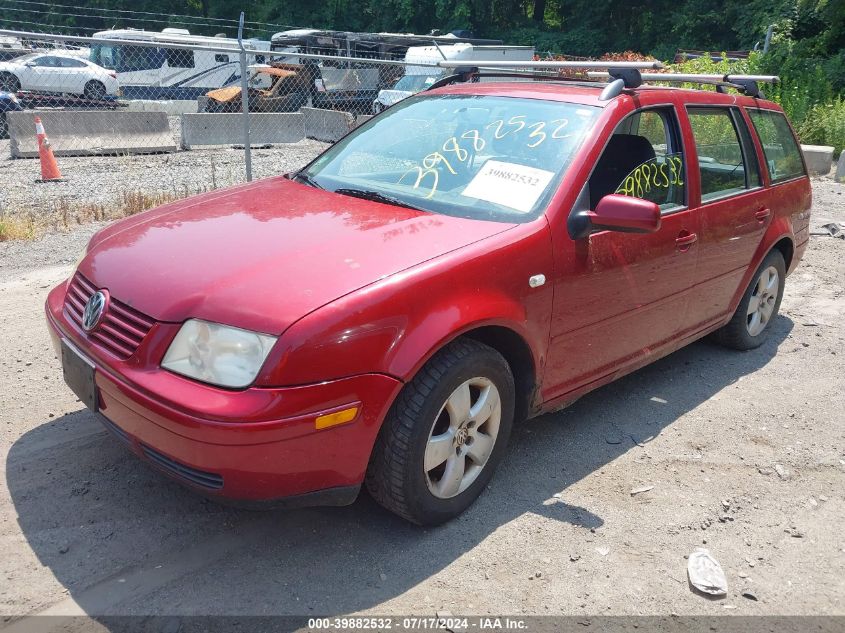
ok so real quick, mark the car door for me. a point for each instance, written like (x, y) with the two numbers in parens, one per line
(43, 74)
(31, 75)
(74, 75)
(730, 204)
(620, 297)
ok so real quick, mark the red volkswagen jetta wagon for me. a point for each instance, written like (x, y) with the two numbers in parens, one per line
(477, 254)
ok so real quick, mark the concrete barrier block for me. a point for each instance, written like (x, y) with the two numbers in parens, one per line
(327, 125)
(362, 118)
(840, 168)
(171, 107)
(91, 132)
(223, 128)
(819, 159)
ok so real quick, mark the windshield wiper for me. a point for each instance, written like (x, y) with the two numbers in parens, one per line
(308, 180)
(375, 196)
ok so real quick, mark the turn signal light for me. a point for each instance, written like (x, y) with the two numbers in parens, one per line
(338, 417)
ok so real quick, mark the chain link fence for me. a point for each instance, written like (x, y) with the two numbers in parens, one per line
(138, 118)
(134, 92)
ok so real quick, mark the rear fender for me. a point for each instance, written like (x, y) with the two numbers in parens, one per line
(779, 229)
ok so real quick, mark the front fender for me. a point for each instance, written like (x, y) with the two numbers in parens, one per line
(395, 325)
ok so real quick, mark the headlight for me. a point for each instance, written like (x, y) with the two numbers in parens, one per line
(217, 354)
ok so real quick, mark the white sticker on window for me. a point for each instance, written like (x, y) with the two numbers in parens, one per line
(509, 184)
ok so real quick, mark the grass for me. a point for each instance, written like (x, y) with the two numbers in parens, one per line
(17, 227)
(66, 213)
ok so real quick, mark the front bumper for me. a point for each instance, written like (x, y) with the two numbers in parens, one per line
(254, 445)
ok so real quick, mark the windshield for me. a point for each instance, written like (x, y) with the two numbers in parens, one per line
(104, 55)
(415, 83)
(125, 58)
(495, 158)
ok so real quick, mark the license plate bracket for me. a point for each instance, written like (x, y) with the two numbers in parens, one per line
(79, 375)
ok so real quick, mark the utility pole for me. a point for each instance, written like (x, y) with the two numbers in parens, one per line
(245, 99)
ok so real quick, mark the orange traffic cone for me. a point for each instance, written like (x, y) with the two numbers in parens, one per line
(49, 167)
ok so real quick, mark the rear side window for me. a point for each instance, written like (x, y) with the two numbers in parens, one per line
(722, 163)
(783, 157)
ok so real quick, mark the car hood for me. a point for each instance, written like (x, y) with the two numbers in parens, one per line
(263, 255)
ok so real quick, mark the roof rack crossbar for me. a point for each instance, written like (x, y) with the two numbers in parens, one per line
(746, 84)
(695, 78)
(552, 65)
(469, 73)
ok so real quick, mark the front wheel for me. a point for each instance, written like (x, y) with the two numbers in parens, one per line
(444, 435)
(751, 323)
(9, 83)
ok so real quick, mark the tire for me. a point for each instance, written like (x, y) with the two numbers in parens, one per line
(9, 83)
(397, 477)
(750, 326)
(94, 90)
(297, 101)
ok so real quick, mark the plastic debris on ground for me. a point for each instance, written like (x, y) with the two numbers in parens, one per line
(705, 574)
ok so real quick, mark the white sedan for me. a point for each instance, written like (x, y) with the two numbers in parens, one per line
(59, 73)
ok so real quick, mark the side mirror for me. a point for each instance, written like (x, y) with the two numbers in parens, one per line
(627, 214)
(30, 64)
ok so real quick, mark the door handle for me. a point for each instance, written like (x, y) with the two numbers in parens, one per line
(685, 240)
(762, 214)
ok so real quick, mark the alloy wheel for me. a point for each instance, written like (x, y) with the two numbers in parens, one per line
(763, 300)
(462, 437)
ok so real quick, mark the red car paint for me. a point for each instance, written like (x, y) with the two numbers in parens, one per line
(362, 293)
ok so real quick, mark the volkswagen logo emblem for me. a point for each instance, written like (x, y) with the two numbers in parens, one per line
(94, 310)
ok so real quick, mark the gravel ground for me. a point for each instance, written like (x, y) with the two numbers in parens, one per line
(745, 453)
(103, 179)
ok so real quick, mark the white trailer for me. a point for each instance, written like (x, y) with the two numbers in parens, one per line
(151, 72)
(421, 69)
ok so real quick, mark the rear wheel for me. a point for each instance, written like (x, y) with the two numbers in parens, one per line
(9, 83)
(751, 323)
(444, 435)
(95, 90)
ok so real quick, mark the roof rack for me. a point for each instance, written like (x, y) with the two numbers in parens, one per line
(746, 84)
(551, 65)
(465, 74)
(624, 74)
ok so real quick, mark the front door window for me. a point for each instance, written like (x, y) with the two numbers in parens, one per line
(643, 159)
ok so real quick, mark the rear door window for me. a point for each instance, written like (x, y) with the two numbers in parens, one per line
(783, 156)
(725, 166)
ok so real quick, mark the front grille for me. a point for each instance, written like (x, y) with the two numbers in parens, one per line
(121, 329)
(192, 475)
